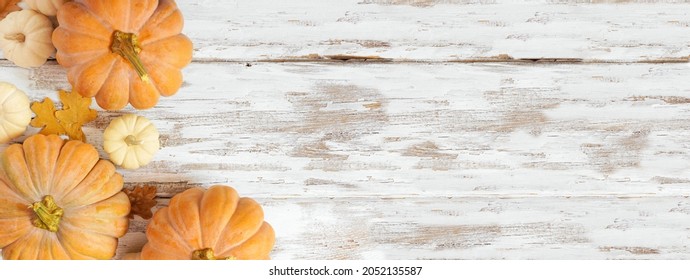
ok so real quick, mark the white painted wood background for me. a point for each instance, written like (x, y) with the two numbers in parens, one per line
(432, 129)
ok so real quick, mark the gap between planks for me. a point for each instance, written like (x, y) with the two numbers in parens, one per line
(327, 59)
(165, 190)
(315, 58)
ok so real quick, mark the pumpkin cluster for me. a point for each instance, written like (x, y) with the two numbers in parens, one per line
(58, 198)
(131, 56)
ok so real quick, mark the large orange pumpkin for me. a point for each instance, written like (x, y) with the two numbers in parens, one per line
(122, 51)
(58, 200)
(207, 225)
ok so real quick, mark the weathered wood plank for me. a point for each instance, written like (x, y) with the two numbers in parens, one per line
(437, 30)
(415, 130)
(431, 160)
(409, 160)
(473, 228)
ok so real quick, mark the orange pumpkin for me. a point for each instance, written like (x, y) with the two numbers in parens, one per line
(207, 225)
(58, 200)
(122, 51)
(131, 257)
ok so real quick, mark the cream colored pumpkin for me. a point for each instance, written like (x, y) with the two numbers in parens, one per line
(26, 38)
(131, 141)
(15, 112)
(46, 7)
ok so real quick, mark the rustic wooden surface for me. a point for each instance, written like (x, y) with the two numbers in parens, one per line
(432, 129)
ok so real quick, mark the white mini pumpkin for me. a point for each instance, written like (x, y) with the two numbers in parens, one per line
(46, 7)
(131, 141)
(15, 112)
(26, 38)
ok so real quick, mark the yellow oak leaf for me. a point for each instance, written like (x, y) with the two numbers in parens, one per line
(8, 6)
(68, 121)
(75, 113)
(74, 132)
(45, 117)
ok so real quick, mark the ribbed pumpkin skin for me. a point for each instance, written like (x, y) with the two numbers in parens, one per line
(84, 38)
(35, 47)
(216, 218)
(46, 7)
(85, 187)
(15, 111)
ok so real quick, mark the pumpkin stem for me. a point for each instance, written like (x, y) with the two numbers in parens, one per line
(19, 37)
(208, 255)
(127, 46)
(131, 140)
(48, 214)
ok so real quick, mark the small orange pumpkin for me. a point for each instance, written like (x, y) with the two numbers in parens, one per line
(208, 225)
(122, 51)
(58, 200)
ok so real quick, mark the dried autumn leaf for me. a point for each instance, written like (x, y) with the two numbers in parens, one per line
(68, 121)
(142, 198)
(45, 117)
(8, 6)
(75, 113)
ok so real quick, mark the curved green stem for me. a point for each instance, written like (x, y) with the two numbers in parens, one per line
(48, 214)
(127, 46)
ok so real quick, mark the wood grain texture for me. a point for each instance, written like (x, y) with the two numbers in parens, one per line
(431, 129)
(417, 130)
(401, 160)
(491, 227)
(438, 30)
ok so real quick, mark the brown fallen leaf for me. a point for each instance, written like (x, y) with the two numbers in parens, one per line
(8, 6)
(142, 198)
(69, 120)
